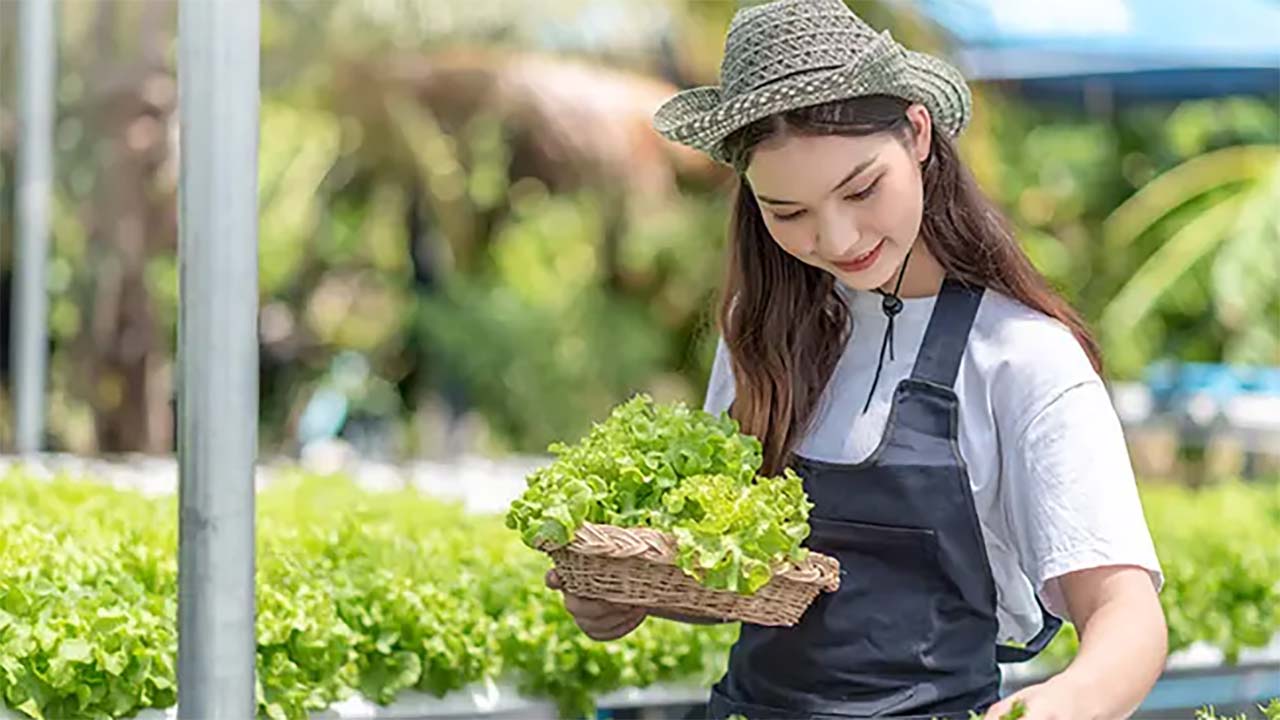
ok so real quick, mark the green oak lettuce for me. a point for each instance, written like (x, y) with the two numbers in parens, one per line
(676, 469)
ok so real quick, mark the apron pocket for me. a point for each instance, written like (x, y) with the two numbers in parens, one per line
(885, 615)
(846, 533)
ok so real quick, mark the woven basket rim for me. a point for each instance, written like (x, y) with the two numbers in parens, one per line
(611, 541)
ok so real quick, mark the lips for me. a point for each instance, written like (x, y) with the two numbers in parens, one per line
(863, 261)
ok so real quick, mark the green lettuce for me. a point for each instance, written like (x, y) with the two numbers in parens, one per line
(679, 470)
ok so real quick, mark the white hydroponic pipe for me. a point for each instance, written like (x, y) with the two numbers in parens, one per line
(218, 61)
(36, 63)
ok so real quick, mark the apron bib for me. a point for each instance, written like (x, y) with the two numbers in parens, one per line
(912, 631)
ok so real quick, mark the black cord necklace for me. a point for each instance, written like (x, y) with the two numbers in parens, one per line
(891, 305)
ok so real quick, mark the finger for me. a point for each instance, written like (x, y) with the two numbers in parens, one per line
(600, 612)
(995, 712)
(591, 610)
(582, 608)
(631, 615)
(610, 623)
(1004, 707)
(553, 580)
(628, 623)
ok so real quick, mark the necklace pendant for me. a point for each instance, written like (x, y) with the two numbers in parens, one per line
(892, 305)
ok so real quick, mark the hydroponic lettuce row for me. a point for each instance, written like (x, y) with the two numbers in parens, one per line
(380, 592)
(357, 592)
(676, 469)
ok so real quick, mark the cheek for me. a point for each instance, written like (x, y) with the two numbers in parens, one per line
(793, 237)
(897, 213)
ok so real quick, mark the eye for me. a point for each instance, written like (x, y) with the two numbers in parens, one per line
(864, 194)
(788, 216)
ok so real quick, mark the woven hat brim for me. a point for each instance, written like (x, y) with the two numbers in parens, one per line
(942, 89)
(682, 108)
(699, 119)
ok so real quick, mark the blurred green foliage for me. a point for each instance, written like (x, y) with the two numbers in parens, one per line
(1161, 223)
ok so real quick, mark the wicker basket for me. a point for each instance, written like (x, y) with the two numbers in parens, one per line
(636, 566)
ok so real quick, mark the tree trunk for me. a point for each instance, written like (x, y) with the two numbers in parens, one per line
(131, 217)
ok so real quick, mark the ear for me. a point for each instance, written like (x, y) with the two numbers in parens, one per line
(921, 130)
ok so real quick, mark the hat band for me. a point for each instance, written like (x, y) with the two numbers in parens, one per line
(802, 72)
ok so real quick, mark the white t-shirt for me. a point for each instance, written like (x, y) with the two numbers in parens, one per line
(1050, 472)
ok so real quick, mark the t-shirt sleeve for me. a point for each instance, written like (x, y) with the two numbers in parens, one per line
(720, 385)
(1070, 495)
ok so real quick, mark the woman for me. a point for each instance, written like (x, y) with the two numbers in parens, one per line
(884, 335)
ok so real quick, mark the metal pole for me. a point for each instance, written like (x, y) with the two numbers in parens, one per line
(217, 356)
(35, 188)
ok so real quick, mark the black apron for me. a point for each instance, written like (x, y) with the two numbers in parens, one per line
(912, 630)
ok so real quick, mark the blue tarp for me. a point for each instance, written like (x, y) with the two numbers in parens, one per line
(1138, 49)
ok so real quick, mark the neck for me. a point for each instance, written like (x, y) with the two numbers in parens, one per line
(923, 276)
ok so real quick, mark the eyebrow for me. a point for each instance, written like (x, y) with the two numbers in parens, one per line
(857, 170)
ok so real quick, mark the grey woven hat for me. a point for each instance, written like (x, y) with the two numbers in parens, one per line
(789, 54)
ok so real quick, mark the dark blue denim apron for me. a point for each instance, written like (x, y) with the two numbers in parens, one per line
(912, 630)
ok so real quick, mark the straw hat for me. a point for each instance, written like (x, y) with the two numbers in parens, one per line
(789, 54)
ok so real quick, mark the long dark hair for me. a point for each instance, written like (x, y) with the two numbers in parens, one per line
(782, 320)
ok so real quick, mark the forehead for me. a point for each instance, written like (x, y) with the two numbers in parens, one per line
(808, 167)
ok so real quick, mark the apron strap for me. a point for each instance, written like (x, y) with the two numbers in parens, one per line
(938, 362)
(945, 339)
(1013, 654)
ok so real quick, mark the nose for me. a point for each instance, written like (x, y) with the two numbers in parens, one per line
(837, 234)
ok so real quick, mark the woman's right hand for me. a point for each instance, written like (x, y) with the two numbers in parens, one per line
(599, 619)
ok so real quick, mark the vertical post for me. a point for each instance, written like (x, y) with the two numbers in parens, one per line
(218, 62)
(37, 63)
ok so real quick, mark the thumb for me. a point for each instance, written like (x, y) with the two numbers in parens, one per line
(553, 580)
(1004, 707)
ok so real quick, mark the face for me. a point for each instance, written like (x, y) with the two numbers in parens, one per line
(848, 205)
